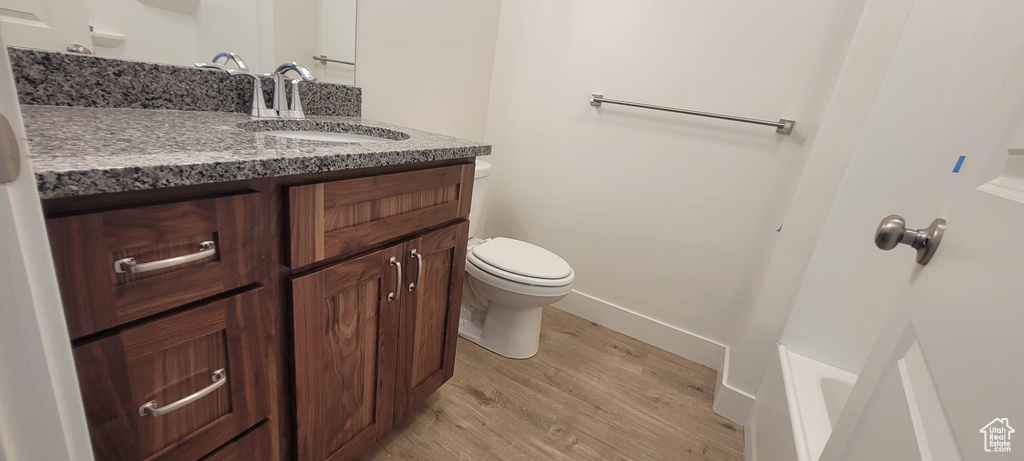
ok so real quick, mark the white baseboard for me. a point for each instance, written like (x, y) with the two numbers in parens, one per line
(730, 402)
(749, 442)
(654, 332)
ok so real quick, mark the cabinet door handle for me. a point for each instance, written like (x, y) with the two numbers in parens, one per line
(206, 250)
(219, 379)
(419, 268)
(398, 285)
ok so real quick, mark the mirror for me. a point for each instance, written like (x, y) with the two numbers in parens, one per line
(264, 33)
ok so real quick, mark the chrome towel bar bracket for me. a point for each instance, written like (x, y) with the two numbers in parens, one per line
(783, 126)
(324, 60)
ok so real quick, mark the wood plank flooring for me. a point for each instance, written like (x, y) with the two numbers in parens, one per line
(589, 394)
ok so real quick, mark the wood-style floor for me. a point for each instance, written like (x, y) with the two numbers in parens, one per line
(589, 394)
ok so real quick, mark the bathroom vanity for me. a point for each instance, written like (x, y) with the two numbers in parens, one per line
(235, 294)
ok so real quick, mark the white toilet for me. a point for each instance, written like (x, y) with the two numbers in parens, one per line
(507, 284)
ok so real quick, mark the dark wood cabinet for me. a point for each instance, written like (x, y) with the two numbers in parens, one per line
(214, 350)
(253, 446)
(341, 218)
(365, 323)
(429, 322)
(330, 301)
(100, 291)
(345, 325)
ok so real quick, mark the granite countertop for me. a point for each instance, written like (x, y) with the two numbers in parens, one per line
(84, 150)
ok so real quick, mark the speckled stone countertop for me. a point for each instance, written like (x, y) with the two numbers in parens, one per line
(51, 78)
(83, 150)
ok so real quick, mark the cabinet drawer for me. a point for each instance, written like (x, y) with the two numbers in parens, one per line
(179, 253)
(254, 446)
(178, 387)
(345, 217)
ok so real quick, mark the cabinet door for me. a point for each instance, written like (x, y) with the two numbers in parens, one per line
(207, 362)
(345, 327)
(430, 314)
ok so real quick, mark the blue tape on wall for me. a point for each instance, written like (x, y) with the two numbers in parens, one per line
(959, 163)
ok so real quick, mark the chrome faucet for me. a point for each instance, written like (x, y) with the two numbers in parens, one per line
(229, 56)
(222, 59)
(259, 103)
(283, 109)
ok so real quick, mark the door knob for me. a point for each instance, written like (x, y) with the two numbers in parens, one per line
(76, 48)
(893, 231)
(10, 153)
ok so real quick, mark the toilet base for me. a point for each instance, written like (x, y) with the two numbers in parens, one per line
(509, 332)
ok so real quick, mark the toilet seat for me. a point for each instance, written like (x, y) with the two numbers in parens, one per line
(520, 262)
(522, 258)
(476, 275)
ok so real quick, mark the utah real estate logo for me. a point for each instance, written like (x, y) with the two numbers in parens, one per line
(997, 435)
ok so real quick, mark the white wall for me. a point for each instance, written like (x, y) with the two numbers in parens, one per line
(265, 33)
(60, 23)
(157, 35)
(336, 39)
(294, 27)
(427, 65)
(663, 216)
(767, 309)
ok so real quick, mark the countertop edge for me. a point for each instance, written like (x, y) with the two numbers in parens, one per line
(65, 184)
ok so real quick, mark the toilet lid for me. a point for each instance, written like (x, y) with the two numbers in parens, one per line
(522, 258)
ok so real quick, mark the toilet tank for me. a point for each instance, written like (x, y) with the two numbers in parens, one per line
(483, 170)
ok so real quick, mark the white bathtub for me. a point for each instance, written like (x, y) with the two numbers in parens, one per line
(797, 405)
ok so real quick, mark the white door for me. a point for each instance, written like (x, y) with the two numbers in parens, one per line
(41, 412)
(945, 379)
(45, 24)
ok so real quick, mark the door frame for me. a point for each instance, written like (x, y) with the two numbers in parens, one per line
(41, 411)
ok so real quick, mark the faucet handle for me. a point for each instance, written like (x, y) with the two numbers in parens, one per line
(296, 110)
(259, 104)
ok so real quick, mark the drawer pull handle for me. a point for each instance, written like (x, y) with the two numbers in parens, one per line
(206, 250)
(398, 286)
(219, 378)
(419, 269)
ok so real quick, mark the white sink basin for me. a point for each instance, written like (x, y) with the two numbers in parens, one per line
(326, 136)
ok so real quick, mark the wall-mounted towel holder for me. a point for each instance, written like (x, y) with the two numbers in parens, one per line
(783, 126)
